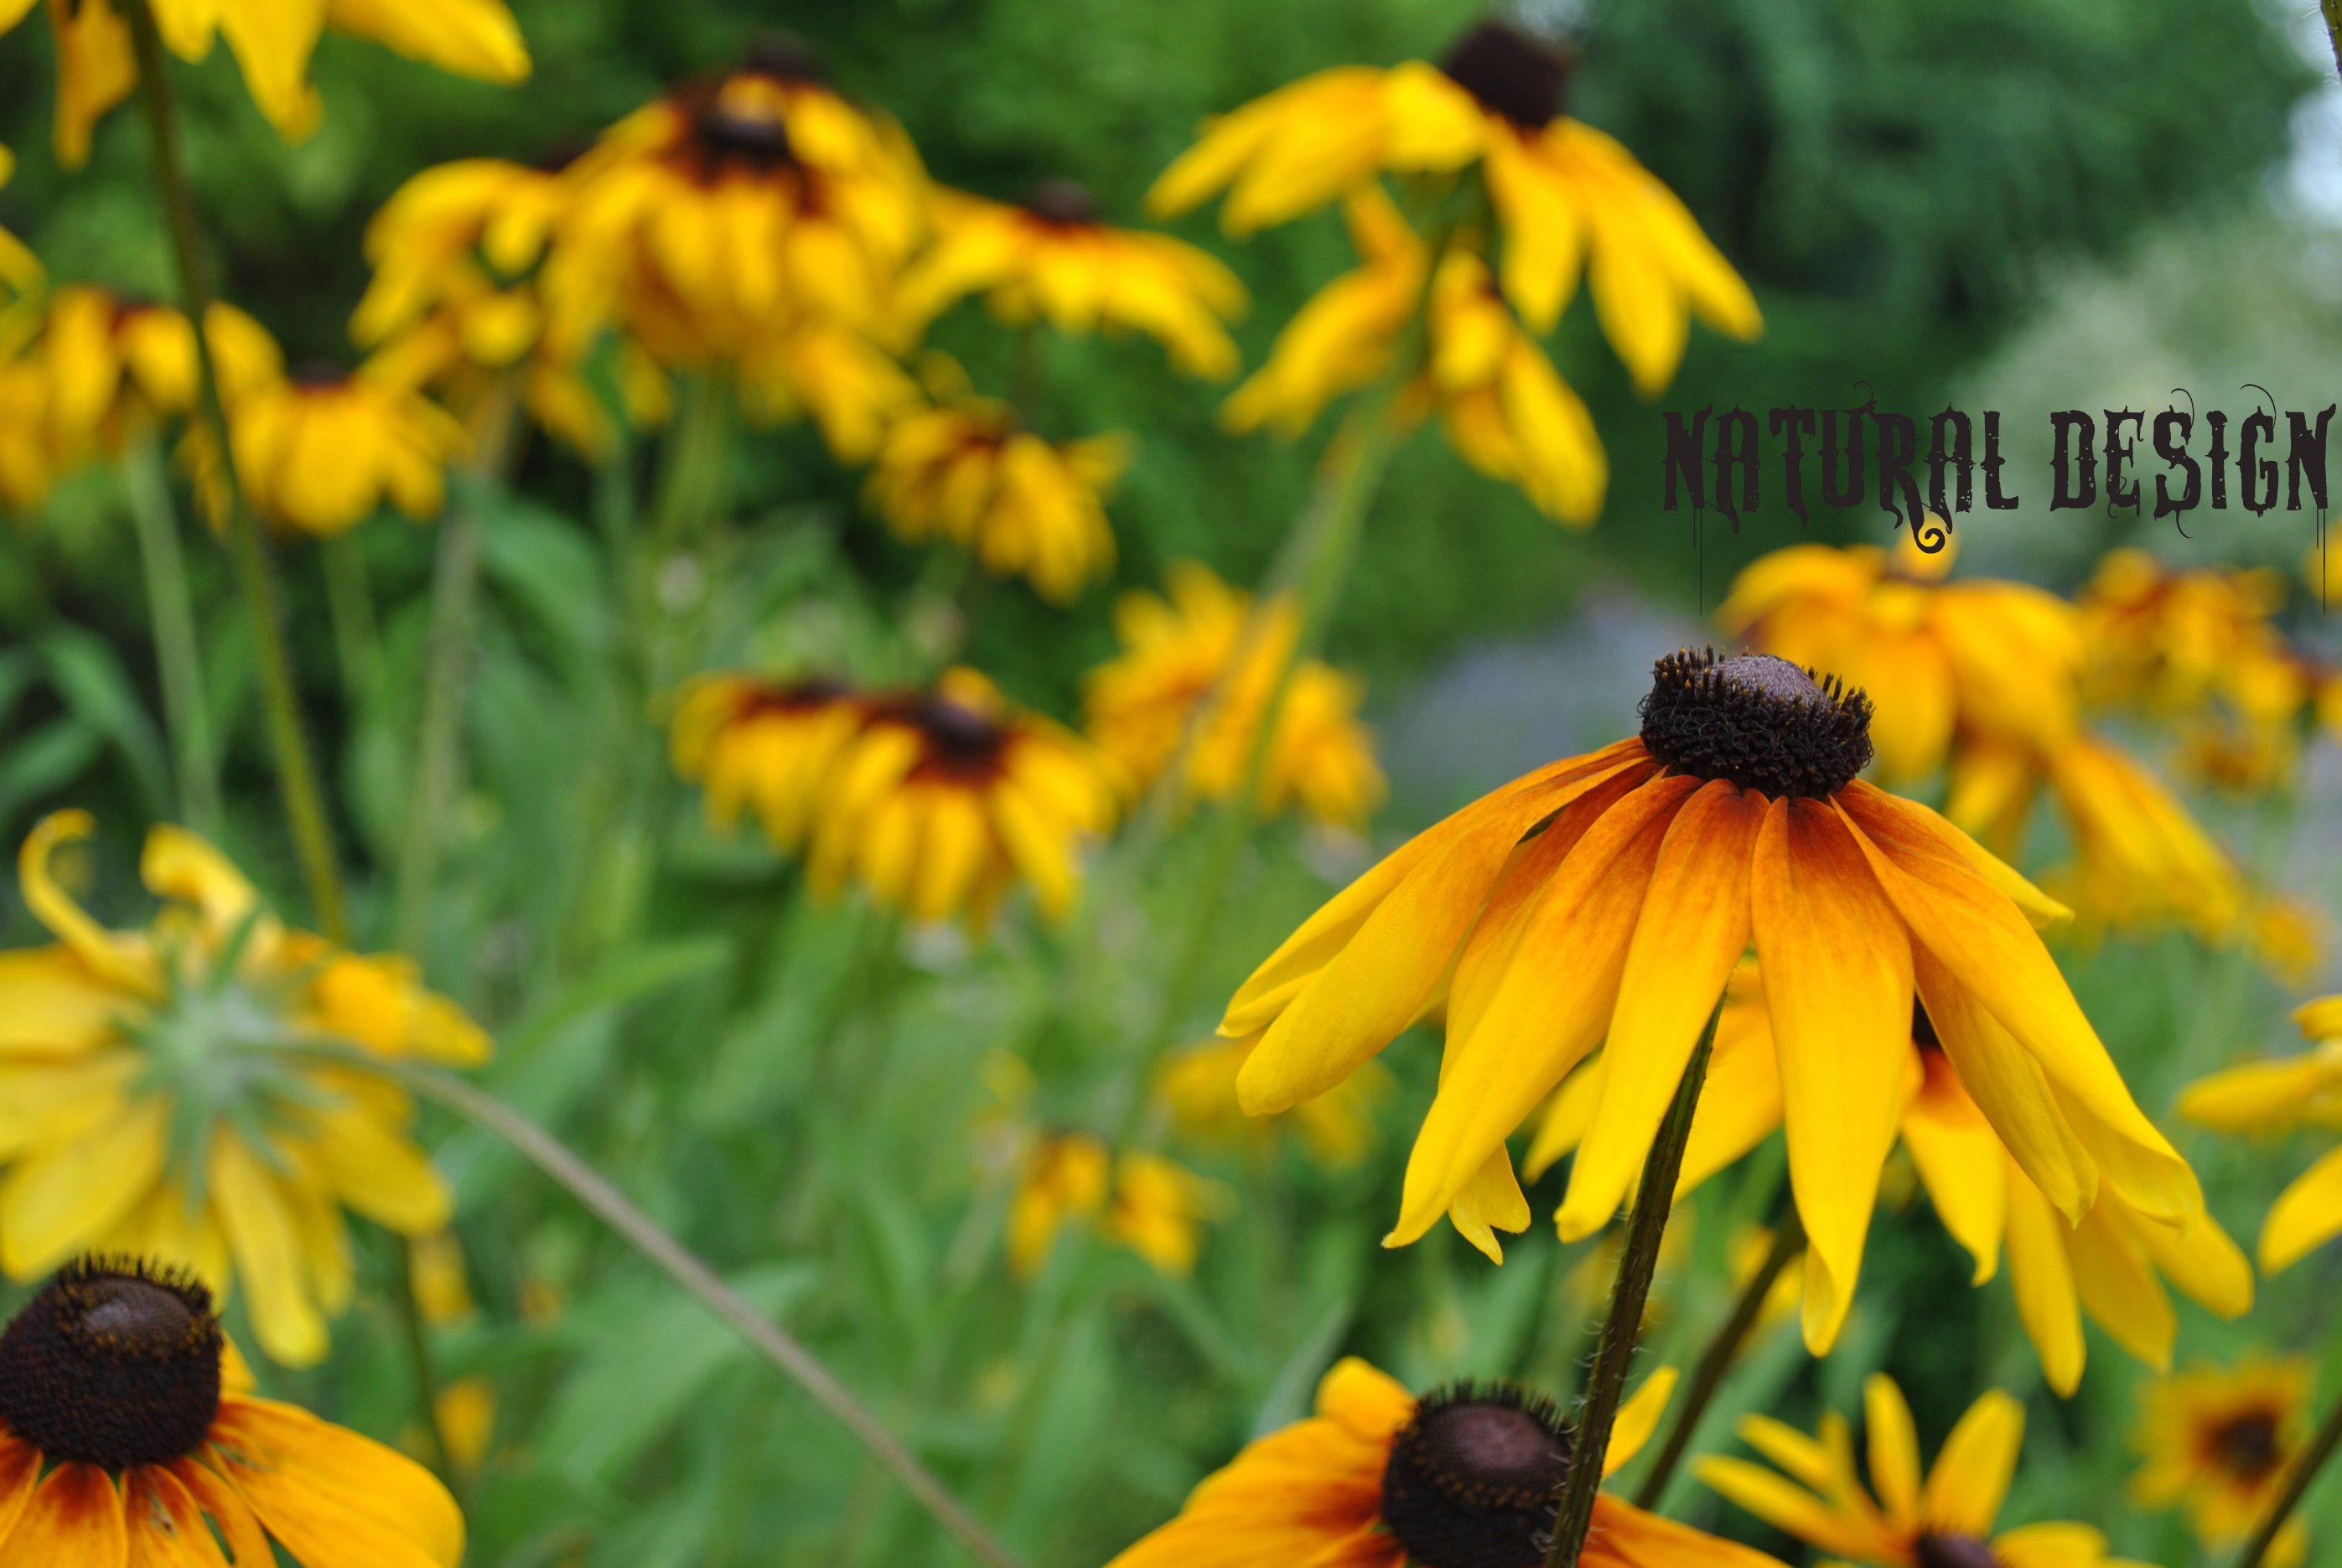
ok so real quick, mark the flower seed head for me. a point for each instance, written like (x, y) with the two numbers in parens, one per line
(1514, 73)
(1474, 1480)
(117, 1363)
(1955, 1552)
(1757, 722)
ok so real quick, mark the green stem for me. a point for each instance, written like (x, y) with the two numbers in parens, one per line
(177, 660)
(694, 477)
(595, 1193)
(1606, 1385)
(1716, 1361)
(2321, 1447)
(350, 602)
(416, 1334)
(305, 811)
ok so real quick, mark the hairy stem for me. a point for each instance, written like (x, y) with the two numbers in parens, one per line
(1607, 1385)
(1716, 1361)
(2321, 1447)
(305, 810)
(195, 758)
(590, 1188)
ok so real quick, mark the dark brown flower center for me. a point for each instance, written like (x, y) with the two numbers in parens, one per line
(1514, 73)
(1068, 202)
(117, 1363)
(725, 139)
(1474, 1480)
(1955, 1552)
(318, 374)
(791, 697)
(1757, 722)
(2248, 1446)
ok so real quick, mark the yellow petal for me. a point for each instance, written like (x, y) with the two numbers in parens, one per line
(1961, 1163)
(2307, 1215)
(55, 908)
(330, 1495)
(1894, 1450)
(1972, 1472)
(2041, 1275)
(264, 1237)
(1490, 1201)
(66, 1199)
(1638, 1419)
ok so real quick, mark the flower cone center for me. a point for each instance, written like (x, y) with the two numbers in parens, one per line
(1068, 202)
(1512, 73)
(1955, 1552)
(1474, 1481)
(2249, 1445)
(1757, 722)
(115, 1365)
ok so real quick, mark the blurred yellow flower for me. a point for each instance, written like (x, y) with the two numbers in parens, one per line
(1502, 405)
(440, 1286)
(1177, 650)
(2111, 1265)
(466, 1409)
(732, 210)
(159, 1102)
(948, 797)
(851, 388)
(1568, 198)
(966, 469)
(1941, 1519)
(1946, 663)
(1064, 1179)
(1610, 898)
(1464, 1478)
(770, 747)
(20, 270)
(323, 449)
(2277, 1096)
(2222, 1443)
(1054, 258)
(454, 300)
(97, 66)
(28, 464)
(1198, 1085)
(1160, 1210)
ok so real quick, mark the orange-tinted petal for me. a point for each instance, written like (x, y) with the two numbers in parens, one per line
(331, 1496)
(74, 1518)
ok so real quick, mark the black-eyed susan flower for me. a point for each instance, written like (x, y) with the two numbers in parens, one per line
(1568, 199)
(97, 65)
(129, 1434)
(1609, 897)
(733, 209)
(950, 796)
(163, 1099)
(1054, 258)
(1198, 1086)
(2112, 1266)
(1944, 1518)
(115, 365)
(2222, 1443)
(1946, 663)
(28, 466)
(1501, 403)
(1179, 650)
(1063, 1180)
(838, 377)
(966, 469)
(454, 300)
(1469, 1477)
(1160, 1208)
(2277, 1096)
(323, 449)
(765, 746)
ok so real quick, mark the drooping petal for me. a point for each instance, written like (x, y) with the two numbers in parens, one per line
(2007, 1086)
(1961, 1163)
(2119, 1289)
(2041, 1276)
(1838, 987)
(1490, 1201)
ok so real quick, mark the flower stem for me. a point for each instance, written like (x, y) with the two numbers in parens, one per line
(418, 1336)
(1607, 1385)
(350, 602)
(589, 1187)
(195, 760)
(2321, 1447)
(1716, 1361)
(305, 812)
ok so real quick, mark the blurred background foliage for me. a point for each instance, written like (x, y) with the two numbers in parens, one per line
(2023, 204)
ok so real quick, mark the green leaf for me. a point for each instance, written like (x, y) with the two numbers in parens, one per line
(90, 679)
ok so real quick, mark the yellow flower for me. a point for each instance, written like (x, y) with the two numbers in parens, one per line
(1944, 1519)
(1946, 663)
(966, 470)
(2222, 1443)
(117, 1382)
(1467, 1477)
(160, 1103)
(2110, 1265)
(1501, 403)
(948, 797)
(1064, 1179)
(2277, 1096)
(1176, 653)
(850, 388)
(454, 300)
(1160, 1210)
(20, 270)
(1610, 896)
(323, 449)
(1568, 198)
(97, 66)
(440, 1287)
(771, 747)
(27, 463)
(732, 210)
(1055, 259)
(1198, 1085)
